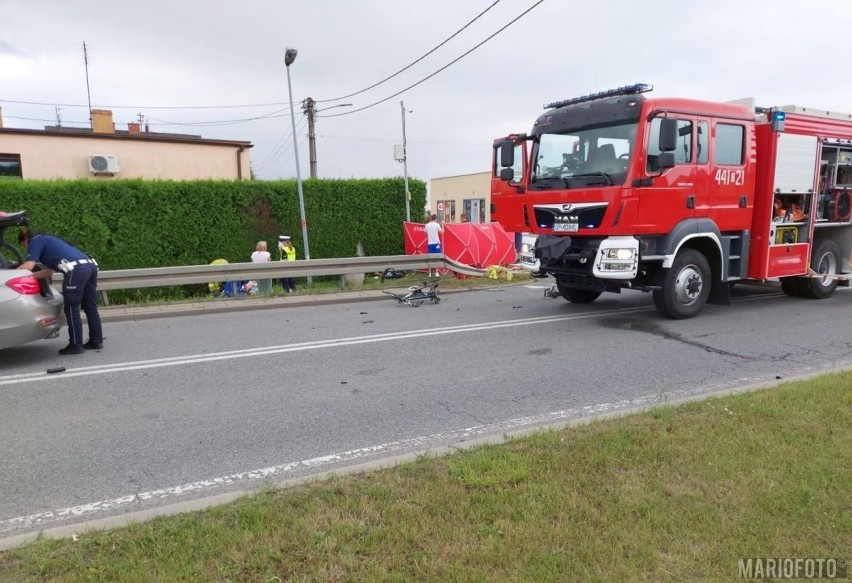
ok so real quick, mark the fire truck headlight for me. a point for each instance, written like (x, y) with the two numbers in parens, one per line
(622, 254)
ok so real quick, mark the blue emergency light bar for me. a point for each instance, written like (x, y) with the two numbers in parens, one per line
(778, 119)
(624, 90)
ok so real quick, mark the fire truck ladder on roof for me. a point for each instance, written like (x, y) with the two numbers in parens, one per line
(812, 112)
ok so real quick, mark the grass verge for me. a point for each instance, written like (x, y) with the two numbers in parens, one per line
(673, 494)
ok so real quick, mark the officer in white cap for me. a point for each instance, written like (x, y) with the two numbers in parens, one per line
(286, 252)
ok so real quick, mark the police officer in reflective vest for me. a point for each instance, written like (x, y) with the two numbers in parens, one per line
(286, 252)
(79, 284)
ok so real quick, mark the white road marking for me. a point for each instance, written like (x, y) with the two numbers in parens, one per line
(313, 345)
(345, 458)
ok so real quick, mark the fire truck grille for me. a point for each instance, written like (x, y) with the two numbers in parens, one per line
(589, 218)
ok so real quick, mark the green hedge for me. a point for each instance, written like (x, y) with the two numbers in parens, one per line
(134, 223)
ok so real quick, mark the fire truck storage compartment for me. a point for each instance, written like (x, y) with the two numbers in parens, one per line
(793, 187)
(787, 260)
(834, 198)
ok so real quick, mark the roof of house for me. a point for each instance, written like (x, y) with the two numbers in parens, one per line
(59, 131)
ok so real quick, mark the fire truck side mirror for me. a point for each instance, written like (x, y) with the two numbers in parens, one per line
(665, 160)
(507, 174)
(668, 134)
(507, 155)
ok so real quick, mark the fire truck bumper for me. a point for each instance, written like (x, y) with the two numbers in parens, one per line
(584, 261)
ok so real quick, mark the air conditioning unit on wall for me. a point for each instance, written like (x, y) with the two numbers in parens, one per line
(104, 164)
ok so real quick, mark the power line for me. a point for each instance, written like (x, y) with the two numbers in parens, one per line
(395, 140)
(277, 104)
(388, 78)
(41, 120)
(287, 103)
(270, 115)
(453, 62)
(283, 146)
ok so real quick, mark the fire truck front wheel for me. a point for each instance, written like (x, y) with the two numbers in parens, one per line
(686, 286)
(826, 262)
(577, 296)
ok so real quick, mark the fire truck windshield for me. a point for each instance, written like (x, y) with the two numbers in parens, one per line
(583, 157)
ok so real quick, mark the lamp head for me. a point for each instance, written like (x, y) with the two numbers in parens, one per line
(290, 56)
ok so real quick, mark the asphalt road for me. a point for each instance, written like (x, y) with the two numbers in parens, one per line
(180, 409)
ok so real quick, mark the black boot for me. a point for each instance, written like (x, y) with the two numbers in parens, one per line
(72, 349)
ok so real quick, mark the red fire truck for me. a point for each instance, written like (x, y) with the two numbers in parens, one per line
(680, 197)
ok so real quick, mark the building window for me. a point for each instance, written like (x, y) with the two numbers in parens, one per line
(10, 166)
(474, 209)
(446, 211)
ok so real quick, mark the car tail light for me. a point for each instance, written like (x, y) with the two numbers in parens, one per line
(26, 285)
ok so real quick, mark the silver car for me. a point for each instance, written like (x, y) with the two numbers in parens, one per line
(30, 309)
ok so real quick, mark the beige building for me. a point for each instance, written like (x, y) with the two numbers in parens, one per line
(104, 153)
(468, 194)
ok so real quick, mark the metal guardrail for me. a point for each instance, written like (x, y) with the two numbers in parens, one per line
(193, 274)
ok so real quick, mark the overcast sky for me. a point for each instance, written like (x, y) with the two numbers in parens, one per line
(181, 62)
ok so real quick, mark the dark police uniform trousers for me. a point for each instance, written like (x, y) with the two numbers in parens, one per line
(79, 287)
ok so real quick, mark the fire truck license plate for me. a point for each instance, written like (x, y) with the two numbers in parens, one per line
(566, 227)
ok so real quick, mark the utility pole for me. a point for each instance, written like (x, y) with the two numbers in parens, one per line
(405, 164)
(88, 91)
(309, 107)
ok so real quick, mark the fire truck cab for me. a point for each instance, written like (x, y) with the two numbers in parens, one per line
(679, 197)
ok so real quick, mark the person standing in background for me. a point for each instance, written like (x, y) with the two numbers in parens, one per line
(79, 285)
(433, 237)
(261, 255)
(433, 234)
(287, 252)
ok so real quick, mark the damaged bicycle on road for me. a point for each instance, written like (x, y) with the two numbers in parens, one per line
(417, 294)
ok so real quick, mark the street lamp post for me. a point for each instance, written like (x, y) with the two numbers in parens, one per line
(289, 57)
(405, 164)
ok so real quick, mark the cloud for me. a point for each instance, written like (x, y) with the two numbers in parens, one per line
(194, 54)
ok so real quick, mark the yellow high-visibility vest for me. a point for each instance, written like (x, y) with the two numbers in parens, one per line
(290, 253)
